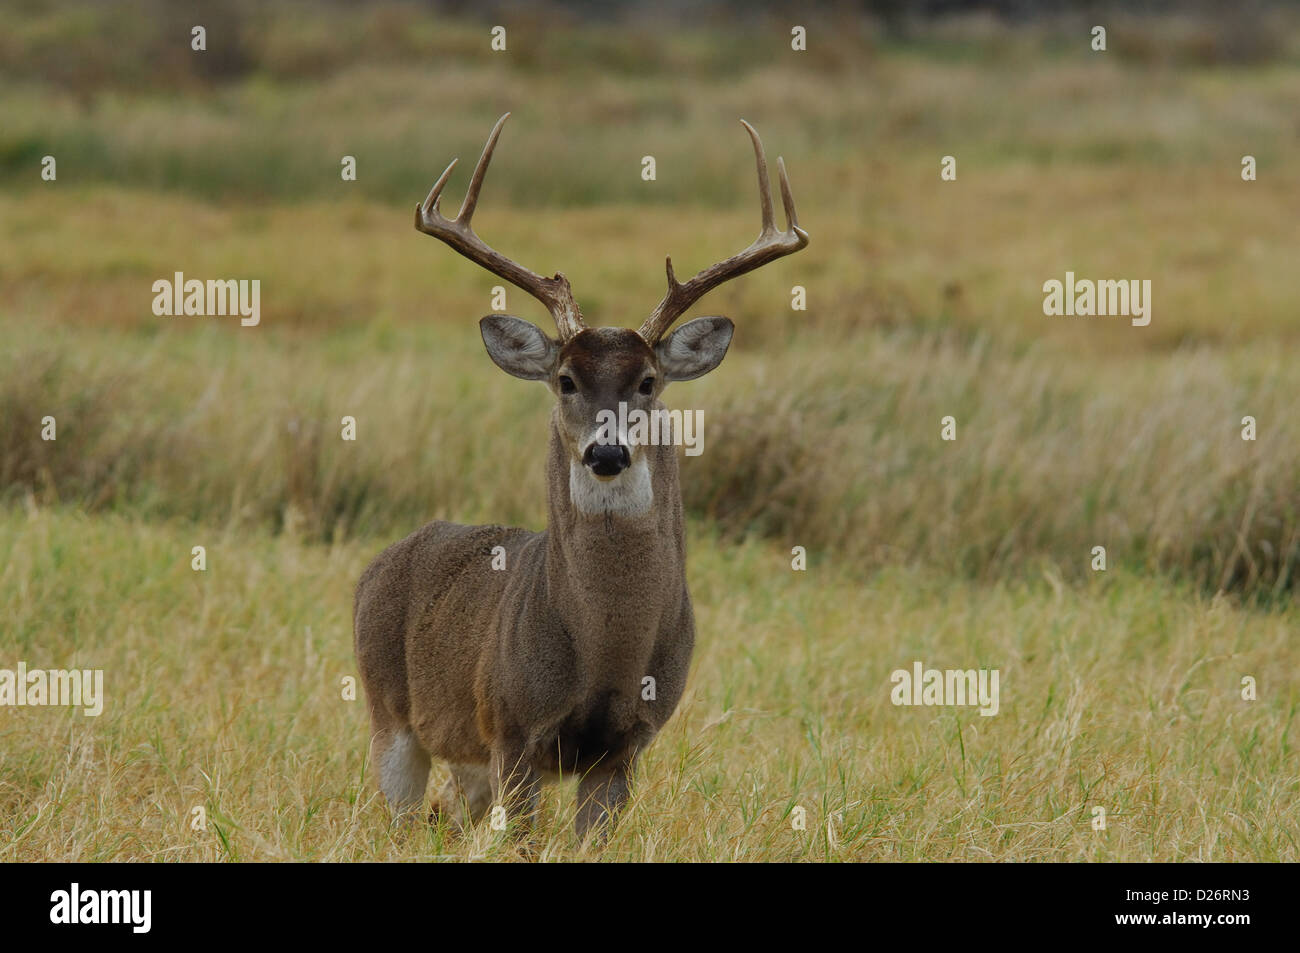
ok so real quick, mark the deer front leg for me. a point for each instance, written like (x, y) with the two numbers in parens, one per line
(403, 767)
(516, 786)
(601, 793)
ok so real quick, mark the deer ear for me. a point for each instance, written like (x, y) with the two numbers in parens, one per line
(518, 347)
(695, 348)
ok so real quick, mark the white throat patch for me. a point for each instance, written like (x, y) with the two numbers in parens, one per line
(628, 494)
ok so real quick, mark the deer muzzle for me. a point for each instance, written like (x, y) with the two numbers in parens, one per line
(607, 460)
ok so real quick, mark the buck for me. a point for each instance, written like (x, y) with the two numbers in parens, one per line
(571, 659)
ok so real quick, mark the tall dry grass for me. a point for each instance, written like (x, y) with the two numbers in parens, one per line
(224, 692)
(828, 444)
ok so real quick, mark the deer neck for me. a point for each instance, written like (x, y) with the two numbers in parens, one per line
(616, 549)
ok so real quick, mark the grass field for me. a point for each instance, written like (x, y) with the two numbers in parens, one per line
(1119, 689)
(226, 694)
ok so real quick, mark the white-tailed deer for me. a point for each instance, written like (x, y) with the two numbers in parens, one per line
(516, 676)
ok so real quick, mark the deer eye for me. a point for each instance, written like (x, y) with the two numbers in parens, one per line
(648, 386)
(566, 384)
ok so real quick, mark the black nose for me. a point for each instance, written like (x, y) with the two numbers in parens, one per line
(606, 459)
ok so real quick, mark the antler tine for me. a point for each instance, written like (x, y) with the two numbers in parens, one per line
(770, 245)
(554, 292)
(787, 199)
(764, 183)
(476, 182)
(435, 193)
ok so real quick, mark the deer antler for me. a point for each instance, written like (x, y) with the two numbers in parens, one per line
(769, 246)
(555, 292)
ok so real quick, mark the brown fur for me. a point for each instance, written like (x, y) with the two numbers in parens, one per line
(538, 670)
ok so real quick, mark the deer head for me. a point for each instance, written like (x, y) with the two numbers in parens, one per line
(595, 369)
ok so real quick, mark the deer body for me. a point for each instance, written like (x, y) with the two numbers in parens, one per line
(570, 658)
(544, 660)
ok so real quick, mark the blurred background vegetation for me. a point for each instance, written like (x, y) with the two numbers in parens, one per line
(822, 428)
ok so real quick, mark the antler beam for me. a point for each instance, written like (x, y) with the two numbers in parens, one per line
(555, 292)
